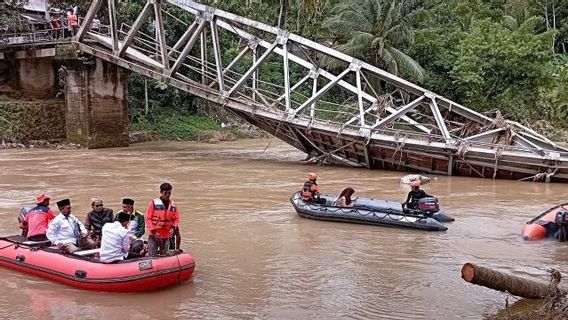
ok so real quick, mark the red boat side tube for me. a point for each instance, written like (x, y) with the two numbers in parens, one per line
(136, 275)
(536, 229)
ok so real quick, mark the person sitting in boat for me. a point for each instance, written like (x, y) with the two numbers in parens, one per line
(344, 199)
(310, 191)
(37, 219)
(115, 241)
(414, 195)
(136, 228)
(96, 219)
(66, 231)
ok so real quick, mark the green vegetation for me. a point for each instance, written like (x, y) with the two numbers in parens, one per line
(184, 127)
(486, 54)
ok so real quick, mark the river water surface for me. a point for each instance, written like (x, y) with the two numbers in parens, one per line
(256, 259)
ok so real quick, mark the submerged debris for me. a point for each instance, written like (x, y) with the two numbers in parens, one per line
(555, 306)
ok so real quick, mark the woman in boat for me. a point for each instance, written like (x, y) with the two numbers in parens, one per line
(344, 199)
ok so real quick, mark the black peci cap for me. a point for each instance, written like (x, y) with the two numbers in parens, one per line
(63, 203)
(127, 201)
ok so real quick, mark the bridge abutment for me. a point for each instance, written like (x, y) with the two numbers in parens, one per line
(94, 113)
(96, 104)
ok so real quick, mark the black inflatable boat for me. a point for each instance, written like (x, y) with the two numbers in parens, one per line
(371, 211)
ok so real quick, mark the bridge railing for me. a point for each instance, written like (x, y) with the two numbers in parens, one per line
(38, 36)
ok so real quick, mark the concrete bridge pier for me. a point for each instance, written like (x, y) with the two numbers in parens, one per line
(96, 104)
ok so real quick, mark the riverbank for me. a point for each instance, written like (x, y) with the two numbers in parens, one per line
(41, 124)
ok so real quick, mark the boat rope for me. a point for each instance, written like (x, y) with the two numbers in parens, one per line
(367, 212)
(498, 153)
(8, 246)
(563, 206)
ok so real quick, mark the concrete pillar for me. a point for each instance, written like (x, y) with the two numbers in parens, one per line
(97, 108)
(35, 73)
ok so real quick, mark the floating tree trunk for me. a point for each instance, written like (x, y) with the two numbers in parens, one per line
(515, 285)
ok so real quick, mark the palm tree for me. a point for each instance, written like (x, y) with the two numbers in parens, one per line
(375, 31)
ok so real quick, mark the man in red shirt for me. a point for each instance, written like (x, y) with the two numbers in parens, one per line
(161, 217)
(38, 218)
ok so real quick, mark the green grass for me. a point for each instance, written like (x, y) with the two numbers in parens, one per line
(184, 127)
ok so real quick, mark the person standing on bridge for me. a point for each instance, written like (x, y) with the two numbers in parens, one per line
(73, 22)
(161, 217)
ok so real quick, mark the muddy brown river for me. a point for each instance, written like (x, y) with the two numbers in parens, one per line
(257, 259)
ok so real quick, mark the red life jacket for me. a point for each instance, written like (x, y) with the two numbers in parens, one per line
(309, 190)
(163, 217)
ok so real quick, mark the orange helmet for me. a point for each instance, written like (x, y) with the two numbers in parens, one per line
(312, 176)
(42, 197)
(415, 183)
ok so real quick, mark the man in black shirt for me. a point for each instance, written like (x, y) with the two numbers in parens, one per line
(96, 219)
(414, 195)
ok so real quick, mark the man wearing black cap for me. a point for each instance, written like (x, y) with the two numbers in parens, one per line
(66, 231)
(137, 226)
(115, 242)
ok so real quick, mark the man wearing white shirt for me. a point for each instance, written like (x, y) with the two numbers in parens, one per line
(66, 231)
(115, 242)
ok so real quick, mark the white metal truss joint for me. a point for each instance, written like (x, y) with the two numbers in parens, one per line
(355, 65)
(209, 15)
(365, 132)
(314, 73)
(253, 43)
(430, 95)
(282, 38)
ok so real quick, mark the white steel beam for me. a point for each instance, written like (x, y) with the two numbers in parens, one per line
(440, 120)
(185, 37)
(161, 34)
(135, 27)
(254, 66)
(399, 113)
(322, 91)
(187, 48)
(86, 24)
(217, 53)
(113, 26)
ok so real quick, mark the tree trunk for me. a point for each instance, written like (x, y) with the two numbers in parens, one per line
(496, 280)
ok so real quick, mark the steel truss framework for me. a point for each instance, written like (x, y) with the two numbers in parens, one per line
(379, 108)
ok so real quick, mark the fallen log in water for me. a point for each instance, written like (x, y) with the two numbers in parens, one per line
(515, 285)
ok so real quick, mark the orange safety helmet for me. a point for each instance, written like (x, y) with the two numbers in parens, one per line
(312, 176)
(42, 197)
(415, 183)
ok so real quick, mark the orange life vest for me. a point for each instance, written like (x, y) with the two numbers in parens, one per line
(309, 190)
(163, 217)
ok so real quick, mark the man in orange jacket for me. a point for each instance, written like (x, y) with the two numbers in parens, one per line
(161, 217)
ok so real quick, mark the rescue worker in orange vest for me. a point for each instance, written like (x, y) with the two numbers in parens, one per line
(310, 191)
(37, 219)
(161, 217)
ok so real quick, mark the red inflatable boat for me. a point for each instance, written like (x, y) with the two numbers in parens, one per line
(541, 226)
(82, 271)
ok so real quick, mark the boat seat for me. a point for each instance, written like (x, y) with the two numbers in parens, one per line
(86, 252)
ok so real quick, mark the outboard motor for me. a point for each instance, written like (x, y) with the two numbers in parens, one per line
(561, 222)
(428, 205)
